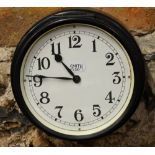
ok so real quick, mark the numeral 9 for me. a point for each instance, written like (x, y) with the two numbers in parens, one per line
(37, 80)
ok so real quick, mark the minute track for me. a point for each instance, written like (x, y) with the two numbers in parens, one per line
(88, 123)
(49, 96)
(47, 111)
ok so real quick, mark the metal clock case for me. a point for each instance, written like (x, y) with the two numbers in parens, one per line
(77, 74)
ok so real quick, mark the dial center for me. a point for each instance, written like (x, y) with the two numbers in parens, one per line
(77, 79)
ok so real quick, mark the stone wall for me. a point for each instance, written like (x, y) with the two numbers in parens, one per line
(16, 130)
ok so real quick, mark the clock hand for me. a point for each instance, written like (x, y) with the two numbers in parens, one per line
(76, 78)
(67, 68)
(42, 76)
(58, 58)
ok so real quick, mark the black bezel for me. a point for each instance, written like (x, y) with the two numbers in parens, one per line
(87, 17)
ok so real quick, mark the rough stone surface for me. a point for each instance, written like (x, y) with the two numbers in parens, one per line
(138, 20)
(147, 42)
(15, 128)
(14, 22)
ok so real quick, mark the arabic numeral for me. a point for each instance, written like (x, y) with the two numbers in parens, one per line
(74, 41)
(43, 63)
(109, 97)
(94, 45)
(110, 57)
(44, 98)
(97, 111)
(59, 112)
(56, 50)
(37, 81)
(78, 115)
(117, 78)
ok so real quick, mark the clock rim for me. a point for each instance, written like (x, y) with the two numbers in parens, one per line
(95, 19)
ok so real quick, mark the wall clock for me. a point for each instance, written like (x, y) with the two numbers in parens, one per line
(77, 74)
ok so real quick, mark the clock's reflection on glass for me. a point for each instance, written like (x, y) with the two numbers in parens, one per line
(77, 79)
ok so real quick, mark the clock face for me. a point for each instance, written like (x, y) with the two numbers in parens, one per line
(77, 74)
(77, 79)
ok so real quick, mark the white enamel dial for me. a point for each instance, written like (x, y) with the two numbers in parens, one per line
(90, 105)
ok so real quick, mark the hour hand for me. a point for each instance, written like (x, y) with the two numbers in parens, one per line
(58, 58)
(76, 78)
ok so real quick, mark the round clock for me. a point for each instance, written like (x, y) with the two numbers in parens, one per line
(77, 74)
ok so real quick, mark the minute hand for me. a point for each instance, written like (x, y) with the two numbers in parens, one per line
(42, 76)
